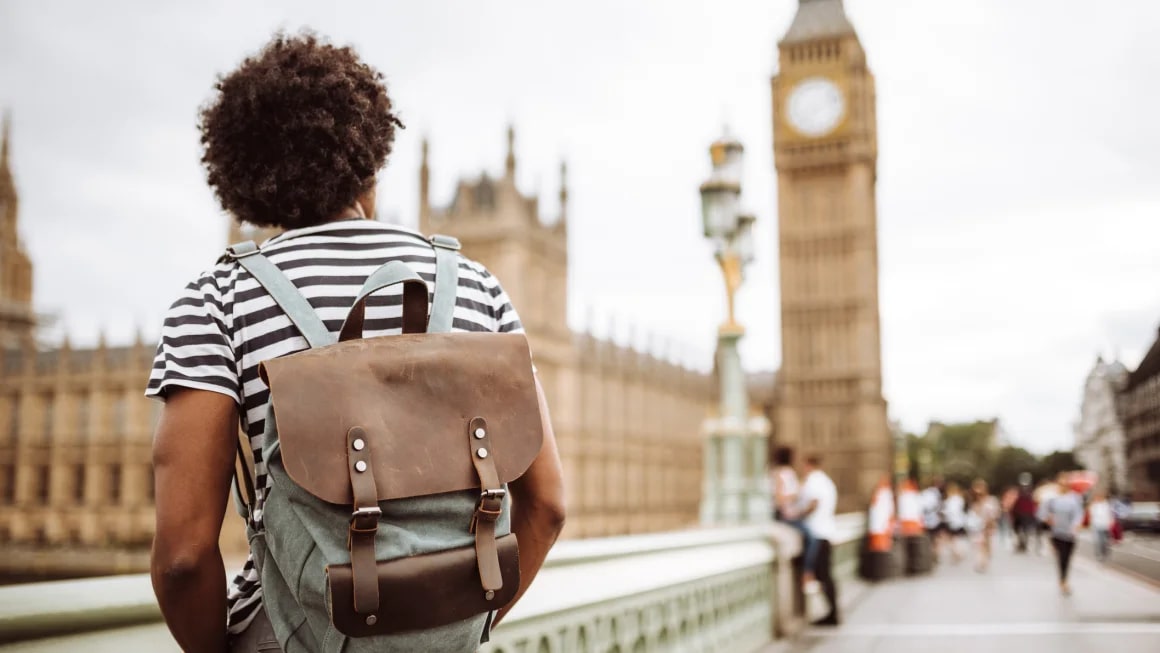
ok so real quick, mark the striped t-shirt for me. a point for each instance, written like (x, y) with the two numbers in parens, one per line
(224, 324)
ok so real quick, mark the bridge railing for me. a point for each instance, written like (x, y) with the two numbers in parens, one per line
(712, 589)
(728, 589)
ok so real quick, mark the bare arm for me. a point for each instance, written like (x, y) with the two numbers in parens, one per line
(538, 510)
(193, 462)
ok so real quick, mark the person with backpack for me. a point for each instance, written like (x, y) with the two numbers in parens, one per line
(405, 485)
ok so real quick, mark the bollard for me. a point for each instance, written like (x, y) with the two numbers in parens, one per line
(877, 559)
(916, 548)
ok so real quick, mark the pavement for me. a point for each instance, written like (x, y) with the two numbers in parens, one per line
(1014, 607)
(1137, 555)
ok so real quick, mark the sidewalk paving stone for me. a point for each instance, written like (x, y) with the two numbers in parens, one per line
(1013, 607)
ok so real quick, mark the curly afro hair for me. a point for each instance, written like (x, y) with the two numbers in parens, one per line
(296, 133)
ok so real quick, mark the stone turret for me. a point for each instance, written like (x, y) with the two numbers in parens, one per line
(502, 228)
(17, 319)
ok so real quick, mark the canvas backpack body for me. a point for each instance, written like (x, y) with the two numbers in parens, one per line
(386, 526)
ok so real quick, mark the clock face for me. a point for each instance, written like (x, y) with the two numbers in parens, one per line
(815, 106)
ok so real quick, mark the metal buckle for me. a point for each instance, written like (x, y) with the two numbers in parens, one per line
(372, 511)
(493, 494)
(446, 242)
(235, 256)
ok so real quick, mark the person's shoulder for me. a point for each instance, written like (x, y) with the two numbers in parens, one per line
(210, 284)
(826, 481)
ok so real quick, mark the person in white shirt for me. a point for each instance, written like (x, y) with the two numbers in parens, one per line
(955, 514)
(786, 500)
(818, 501)
(932, 518)
(1100, 518)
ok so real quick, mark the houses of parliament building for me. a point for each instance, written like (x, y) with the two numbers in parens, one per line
(76, 488)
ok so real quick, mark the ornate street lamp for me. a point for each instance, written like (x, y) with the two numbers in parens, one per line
(735, 488)
(730, 231)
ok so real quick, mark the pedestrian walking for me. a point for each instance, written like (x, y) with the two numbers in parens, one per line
(955, 514)
(1063, 514)
(1024, 517)
(932, 519)
(294, 139)
(1006, 521)
(1048, 489)
(1100, 519)
(982, 519)
(819, 500)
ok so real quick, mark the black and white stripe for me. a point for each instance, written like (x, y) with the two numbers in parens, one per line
(224, 324)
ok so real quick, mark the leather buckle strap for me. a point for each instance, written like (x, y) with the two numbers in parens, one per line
(489, 508)
(487, 511)
(364, 524)
(365, 520)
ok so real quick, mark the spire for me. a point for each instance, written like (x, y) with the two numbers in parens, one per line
(818, 19)
(510, 162)
(563, 191)
(424, 188)
(5, 138)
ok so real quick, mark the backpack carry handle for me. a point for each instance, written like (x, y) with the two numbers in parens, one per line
(414, 300)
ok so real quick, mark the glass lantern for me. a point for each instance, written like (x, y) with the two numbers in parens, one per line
(719, 202)
(743, 241)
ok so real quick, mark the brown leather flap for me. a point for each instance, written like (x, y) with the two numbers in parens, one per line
(424, 591)
(413, 394)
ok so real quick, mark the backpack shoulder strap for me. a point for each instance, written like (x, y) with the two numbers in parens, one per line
(282, 290)
(304, 318)
(446, 283)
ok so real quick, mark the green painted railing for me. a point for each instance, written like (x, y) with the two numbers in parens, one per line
(721, 589)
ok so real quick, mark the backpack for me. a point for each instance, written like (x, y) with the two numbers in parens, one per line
(387, 523)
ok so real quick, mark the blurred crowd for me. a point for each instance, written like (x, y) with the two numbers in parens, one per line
(963, 521)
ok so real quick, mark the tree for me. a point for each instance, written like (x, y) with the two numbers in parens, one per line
(1006, 466)
(1056, 462)
(958, 452)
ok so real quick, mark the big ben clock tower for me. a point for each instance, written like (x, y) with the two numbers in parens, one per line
(825, 151)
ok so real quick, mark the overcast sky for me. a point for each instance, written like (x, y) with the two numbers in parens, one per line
(1018, 192)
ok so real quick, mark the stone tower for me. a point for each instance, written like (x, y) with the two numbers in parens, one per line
(17, 319)
(825, 151)
(502, 228)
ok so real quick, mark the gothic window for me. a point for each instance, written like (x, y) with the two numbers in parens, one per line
(82, 424)
(14, 420)
(8, 484)
(119, 425)
(46, 423)
(115, 483)
(79, 483)
(43, 482)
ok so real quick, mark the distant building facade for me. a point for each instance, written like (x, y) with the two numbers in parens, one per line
(1100, 444)
(76, 484)
(1139, 407)
(628, 424)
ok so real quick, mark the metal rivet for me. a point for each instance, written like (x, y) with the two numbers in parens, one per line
(360, 466)
(489, 595)
(358, 444)
(482, 453)
(372, 620)
(479, 433)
